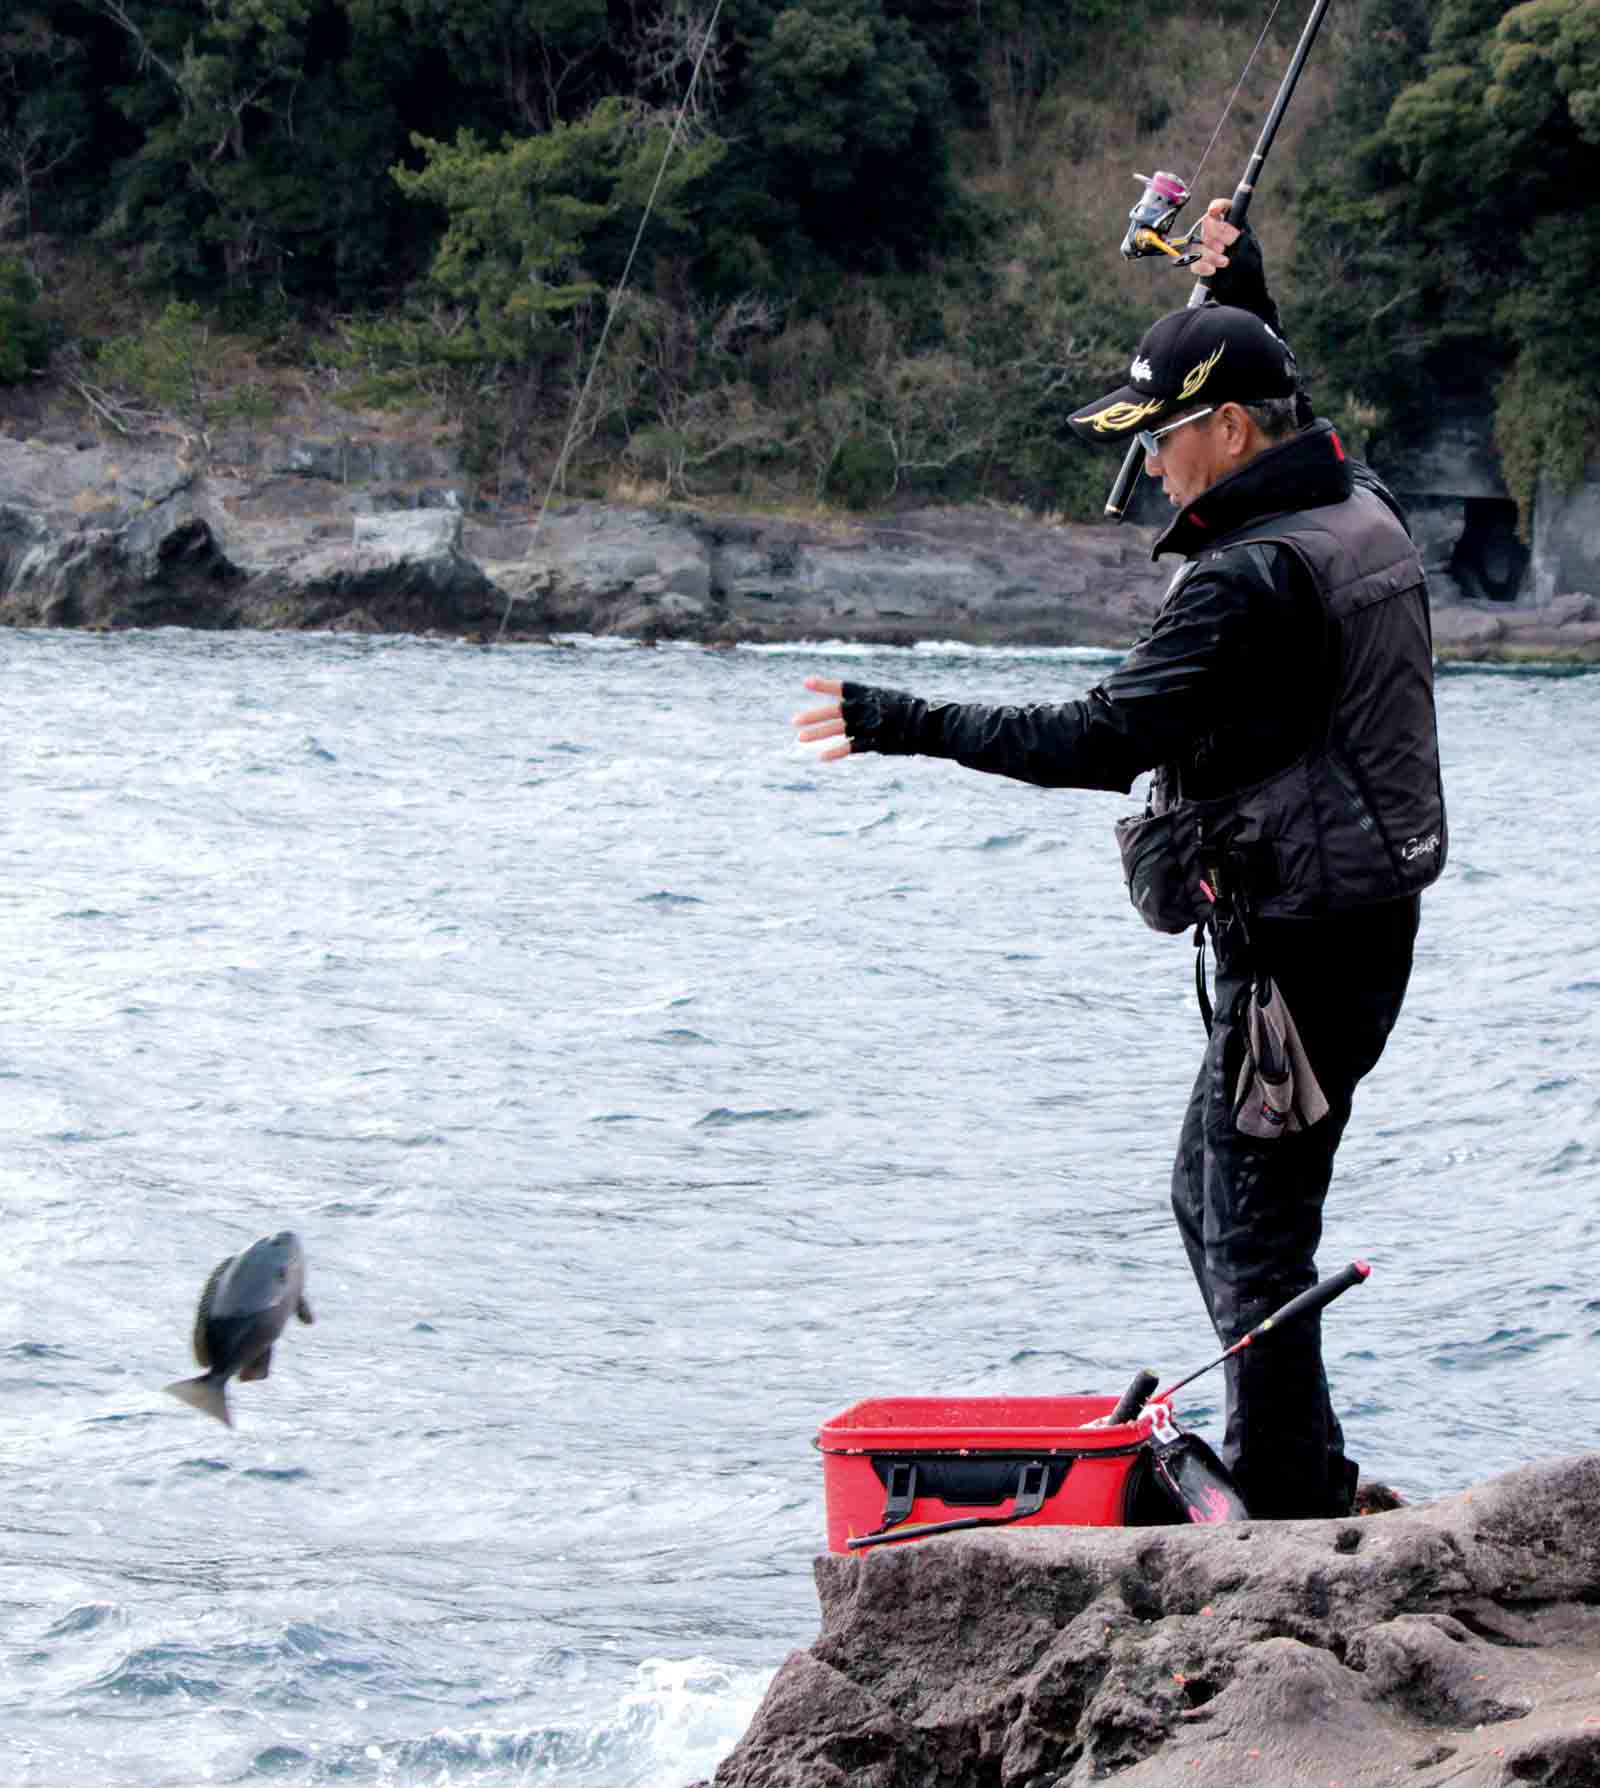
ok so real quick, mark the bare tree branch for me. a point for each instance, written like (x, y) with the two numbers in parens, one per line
(670, 46)
(26, 150)
(119, 14)
(115, 412)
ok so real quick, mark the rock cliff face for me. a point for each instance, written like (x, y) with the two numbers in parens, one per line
(1457, 1642)
(158, 565)
(969, 574)
(95, 538)
(88, 538)
(1566, 537)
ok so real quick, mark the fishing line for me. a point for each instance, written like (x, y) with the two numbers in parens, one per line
(616, 297)
(1194, 184)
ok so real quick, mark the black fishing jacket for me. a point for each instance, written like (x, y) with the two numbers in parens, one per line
(1240, 678)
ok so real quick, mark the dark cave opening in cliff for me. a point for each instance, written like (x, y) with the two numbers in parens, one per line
(1489, 560)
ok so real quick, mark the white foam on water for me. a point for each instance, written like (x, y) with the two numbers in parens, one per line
(849, 648)
(670, 1731)
(927, 648)
(686, 1715)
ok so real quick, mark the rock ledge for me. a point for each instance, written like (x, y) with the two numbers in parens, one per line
(95, 538)
(1456, 1642)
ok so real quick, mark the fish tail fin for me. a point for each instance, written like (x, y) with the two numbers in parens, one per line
(205, 1393)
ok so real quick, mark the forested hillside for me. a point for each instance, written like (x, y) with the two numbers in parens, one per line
(880, 259)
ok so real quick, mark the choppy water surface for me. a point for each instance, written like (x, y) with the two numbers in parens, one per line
(645, 1093)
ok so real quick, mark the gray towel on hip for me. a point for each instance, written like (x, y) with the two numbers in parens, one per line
(1277, 1093)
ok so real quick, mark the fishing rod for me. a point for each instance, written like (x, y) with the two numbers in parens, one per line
(1165, 195)
(1324, 1292)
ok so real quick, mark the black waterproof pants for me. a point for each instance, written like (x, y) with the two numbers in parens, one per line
(1250, 1210)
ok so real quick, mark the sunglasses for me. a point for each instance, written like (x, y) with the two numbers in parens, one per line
(1149, 438)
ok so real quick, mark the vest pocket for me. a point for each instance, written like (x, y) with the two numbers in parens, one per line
(1263, 841)
(1161, 866)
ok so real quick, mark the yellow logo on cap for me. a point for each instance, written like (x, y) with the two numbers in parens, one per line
(1120, 417)
(1197, 375)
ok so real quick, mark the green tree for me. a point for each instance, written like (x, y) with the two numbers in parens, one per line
(1544, 94)
(539, 226)
(534, 55)
(1356, 307)
(220, 76)
(25, 338)
(1456, 247)
(172, 363)
(839, 157)
(1008, 51)
(263, 131)
(41, 128)
(1513, 97)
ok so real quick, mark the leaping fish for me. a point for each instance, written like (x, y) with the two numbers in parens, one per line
(244, 1308)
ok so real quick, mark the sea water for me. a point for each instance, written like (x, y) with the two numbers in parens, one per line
(645, 1092)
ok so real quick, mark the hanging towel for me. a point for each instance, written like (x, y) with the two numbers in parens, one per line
(1277, 1092)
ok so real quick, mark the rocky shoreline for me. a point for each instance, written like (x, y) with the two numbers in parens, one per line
(107, 537)
(1455, 1644)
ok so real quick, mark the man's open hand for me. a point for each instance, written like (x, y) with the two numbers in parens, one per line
(825, 723)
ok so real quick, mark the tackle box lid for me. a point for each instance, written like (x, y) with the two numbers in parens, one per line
(977, 1424)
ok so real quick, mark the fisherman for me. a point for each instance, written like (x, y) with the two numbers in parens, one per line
(1283, 700)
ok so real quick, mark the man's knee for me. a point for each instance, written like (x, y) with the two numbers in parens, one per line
(1242, 1298)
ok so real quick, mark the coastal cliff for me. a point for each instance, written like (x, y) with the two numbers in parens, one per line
(1451, 1643)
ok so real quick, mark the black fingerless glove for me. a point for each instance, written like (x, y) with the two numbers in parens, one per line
(882, 720)
(1243, 282)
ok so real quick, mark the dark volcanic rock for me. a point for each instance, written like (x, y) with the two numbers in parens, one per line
(398, 573)
(1451, 1643)
(163, 565)
(355, 533)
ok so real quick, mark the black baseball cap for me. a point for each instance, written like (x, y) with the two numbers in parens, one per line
(1211, 353)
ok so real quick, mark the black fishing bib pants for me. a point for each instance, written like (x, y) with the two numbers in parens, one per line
(1250, 1210)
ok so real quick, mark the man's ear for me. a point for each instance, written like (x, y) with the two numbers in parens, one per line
(1237, 427)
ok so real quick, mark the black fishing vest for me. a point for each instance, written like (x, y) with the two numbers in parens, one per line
(1359, 818)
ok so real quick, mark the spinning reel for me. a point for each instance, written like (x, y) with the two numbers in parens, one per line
(1149, 222)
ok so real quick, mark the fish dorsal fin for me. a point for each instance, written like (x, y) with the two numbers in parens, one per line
(203, 1315)
(259, 1367)
(303, 1311)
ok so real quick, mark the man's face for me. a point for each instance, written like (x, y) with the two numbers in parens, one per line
(1189, 459)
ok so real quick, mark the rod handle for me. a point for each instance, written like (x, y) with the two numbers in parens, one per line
(1122, 488)
(1134, 1398)
(1323, 1292)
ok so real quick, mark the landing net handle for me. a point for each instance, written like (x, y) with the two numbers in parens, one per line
(1315, 1297)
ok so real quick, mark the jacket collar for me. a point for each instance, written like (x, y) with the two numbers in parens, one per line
(1307, 471)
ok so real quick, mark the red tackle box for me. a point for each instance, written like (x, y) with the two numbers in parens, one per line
(898, 1467)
